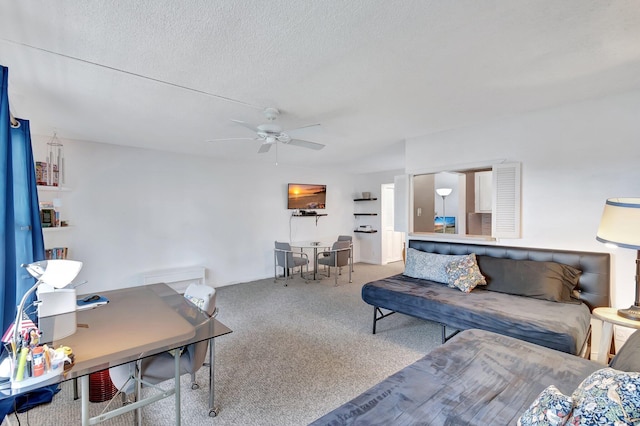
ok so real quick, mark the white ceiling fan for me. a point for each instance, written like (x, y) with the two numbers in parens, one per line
(271, 133)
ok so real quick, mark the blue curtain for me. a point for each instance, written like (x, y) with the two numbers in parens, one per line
(20, 231)
(20, 227)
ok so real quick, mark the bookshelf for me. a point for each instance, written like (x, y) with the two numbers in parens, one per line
(53, 217)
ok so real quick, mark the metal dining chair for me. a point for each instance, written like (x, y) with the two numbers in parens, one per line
(350, 239)
(288, 259)
(337, 257)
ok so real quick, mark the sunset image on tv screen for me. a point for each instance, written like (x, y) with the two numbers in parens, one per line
(305, 196)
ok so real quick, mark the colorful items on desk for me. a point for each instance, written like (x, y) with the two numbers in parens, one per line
(31, 362)
(25, 325)
(22, 362)
(40, 360)
(38, 364)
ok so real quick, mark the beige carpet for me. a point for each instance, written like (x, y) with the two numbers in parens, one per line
(295, 353)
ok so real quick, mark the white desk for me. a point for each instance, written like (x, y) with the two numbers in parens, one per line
(315, 245)
(609, 317)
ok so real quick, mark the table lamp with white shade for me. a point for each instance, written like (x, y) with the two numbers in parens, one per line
(620, 227)
(56, 273)
(52, 275)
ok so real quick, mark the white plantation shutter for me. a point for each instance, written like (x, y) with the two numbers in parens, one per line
(505, 221)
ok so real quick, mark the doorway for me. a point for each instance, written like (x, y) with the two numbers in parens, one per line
(391, 241)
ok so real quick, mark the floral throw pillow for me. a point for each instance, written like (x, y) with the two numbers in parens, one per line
(464, 273)
(550, 408)
(607, 397)
(428, 266)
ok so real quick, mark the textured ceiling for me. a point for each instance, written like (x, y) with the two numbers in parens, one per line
(372, 72)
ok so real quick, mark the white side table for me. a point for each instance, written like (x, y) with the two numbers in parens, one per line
(609, 317)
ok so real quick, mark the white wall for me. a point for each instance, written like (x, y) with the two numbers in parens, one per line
(138, 210)
(135, 210)
(367, 247)
(573, 158)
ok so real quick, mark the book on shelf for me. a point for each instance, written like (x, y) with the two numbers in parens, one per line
(47, 174)
(49, 216)
(56, 253)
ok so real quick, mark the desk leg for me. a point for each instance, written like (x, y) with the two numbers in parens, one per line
(605, 342)
(176, 384)
(84, 399)
(213, 410)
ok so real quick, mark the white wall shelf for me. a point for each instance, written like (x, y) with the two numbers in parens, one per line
(56, 228)
(53, 188)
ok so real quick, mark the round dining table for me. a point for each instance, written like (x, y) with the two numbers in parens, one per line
(315, 245)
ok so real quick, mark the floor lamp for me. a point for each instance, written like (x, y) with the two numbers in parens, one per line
(443, 192)
(620, 226)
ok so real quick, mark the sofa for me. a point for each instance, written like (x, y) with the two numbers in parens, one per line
(483, 378)
(542, 296)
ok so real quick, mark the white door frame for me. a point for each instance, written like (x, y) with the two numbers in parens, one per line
(390, 240)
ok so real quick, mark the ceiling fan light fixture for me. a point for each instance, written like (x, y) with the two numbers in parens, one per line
(271, 133)
(270, 128)
(283, 137)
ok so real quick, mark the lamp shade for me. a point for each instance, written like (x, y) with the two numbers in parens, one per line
(443, 192)
(57, 273)
(620, 223)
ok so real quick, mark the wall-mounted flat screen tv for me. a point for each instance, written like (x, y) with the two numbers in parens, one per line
(306, 196)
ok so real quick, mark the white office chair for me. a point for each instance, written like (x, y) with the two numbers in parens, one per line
(161, 367)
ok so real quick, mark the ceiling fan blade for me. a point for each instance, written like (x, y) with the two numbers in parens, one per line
(303, 127)
(231, 139)
(247, 125)
(264, 148)
(305, 144)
